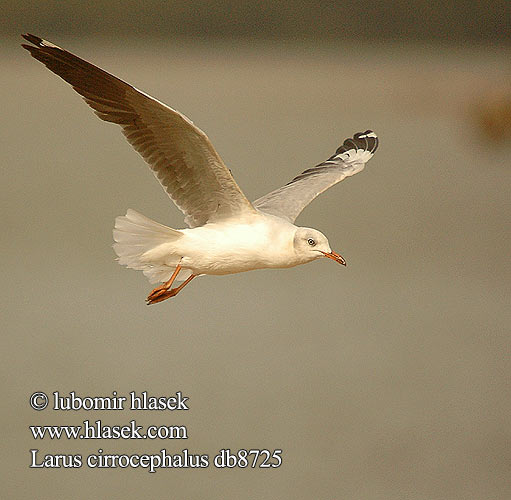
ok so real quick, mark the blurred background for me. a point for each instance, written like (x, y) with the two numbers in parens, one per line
(388, 379)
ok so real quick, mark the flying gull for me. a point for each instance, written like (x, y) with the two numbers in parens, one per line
(226, 233)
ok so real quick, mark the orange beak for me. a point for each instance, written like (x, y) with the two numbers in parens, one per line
(335, 256)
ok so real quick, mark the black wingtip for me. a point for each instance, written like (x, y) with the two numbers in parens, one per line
(37, 42)
(368, 141)
(32, 39)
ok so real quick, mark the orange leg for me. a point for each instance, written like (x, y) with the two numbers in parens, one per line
(163, 288)
(166, 294)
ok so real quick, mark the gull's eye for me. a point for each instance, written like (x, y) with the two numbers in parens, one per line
(311, 242)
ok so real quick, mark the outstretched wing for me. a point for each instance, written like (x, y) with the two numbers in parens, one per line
(180, 154)
(349, 159)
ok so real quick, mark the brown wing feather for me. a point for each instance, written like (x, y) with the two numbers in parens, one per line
(180, 154)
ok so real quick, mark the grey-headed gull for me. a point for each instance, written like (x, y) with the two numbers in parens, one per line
(227, 234)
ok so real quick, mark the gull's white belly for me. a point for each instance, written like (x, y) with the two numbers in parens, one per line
(232, 248)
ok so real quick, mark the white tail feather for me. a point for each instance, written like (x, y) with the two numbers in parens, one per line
(134, 235)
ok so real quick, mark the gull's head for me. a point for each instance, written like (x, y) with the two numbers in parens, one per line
(311, 244)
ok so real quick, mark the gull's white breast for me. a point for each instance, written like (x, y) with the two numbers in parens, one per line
(232, 247)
